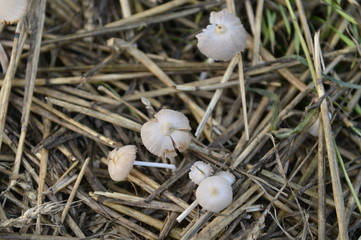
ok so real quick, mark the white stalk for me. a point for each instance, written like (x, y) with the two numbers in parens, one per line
(227, 75)
(153, 164)
(243, 95)
(187, 211)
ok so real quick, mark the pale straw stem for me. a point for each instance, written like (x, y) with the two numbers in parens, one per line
(217, 95)
(329, 143)
(74, 190)
(231, 6)
(187, 211)
(126, 12)
(243, 96)
(257, 32)
(153, 164)
(250, 16)
(4, 60)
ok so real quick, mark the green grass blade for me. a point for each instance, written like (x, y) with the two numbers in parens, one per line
(342, 83)
(305, 122)
(347, 178)
(302, 41)
(342, 36)
(285, 19)
(271, 19)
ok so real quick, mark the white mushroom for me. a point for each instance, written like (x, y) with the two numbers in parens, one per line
(121, 161)
(12, 10)
(223, 38)
(214, 194)
(227, 175)
(166, 132)
(200, 171)
(313, 130)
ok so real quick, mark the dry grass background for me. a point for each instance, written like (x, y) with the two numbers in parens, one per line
(69, 96)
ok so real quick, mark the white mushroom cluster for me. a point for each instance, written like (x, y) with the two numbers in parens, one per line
(166, 132)
(215, 193)
(223, 38)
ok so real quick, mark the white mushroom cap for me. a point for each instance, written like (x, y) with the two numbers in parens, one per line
(223, 38)
(12, 10)
(166, 132)
(313, 130)
(200, 171)
(214, 194)
(227, 175)
(120, 162)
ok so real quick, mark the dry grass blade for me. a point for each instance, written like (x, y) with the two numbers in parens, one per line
(329, 142)
(78, 80)
(257, 32)
(21, 236)
(149, 13)
(70, 123)
(174, 233)
(42, 172)
(4, 61)
(109, 117)
(138, 201)
(243, 95)
(6, 86)
(305, 27)
(31, 69)
(217, 95)
(321, 174)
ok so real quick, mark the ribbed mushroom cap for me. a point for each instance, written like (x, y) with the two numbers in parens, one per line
(223, 38)
(12, 10)
(214, 194)
(120, 162)
(200, 171)
(166, 132)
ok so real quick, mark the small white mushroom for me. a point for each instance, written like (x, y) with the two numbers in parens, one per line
(223, 38)
(313, 130)
(12, 10)
(200, 171)
(227, 175)
(166, 132)
(121, 161)
(213, 194)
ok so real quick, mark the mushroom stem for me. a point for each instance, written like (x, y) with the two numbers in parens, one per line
(227, 75)
(187, 211)
(153, 164)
